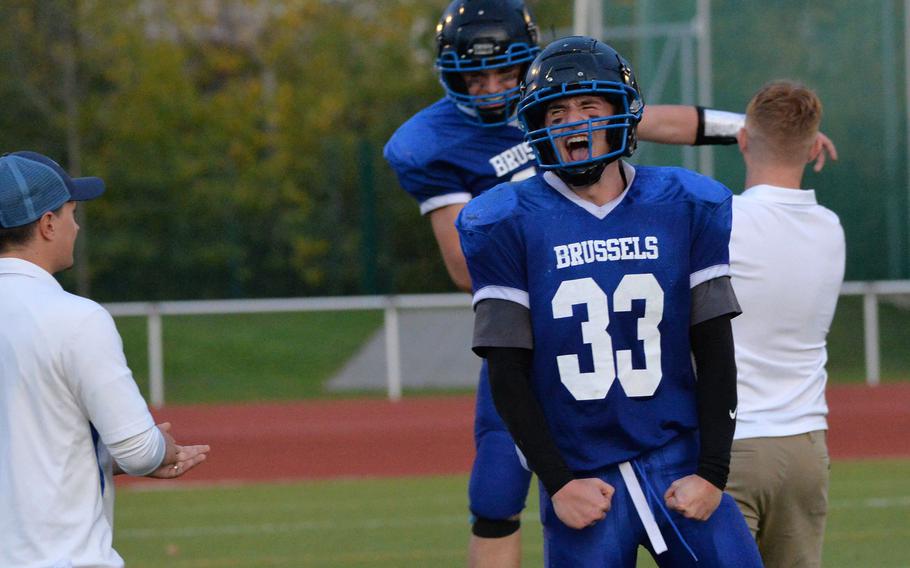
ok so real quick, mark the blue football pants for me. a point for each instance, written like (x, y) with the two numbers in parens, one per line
(499, 482)
(723, 541)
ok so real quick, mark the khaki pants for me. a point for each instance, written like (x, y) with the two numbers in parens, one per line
(781, 487)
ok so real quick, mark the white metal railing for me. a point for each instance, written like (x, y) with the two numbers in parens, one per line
(392, 304)
(870, 291)
(389, 304)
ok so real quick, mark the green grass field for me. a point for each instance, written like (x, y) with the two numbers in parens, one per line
(423, 522)
(845, 342)
(247, 357)
(291, 356)
(411, 522)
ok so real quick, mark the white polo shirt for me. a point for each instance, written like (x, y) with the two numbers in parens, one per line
(61, 368)
(787, 256)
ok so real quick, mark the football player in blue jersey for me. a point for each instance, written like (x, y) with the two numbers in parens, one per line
(465, 144)
(595, 282)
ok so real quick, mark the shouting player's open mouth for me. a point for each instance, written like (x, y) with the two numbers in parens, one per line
(576, 147)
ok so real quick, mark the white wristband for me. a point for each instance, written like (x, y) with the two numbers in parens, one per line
(723, 124)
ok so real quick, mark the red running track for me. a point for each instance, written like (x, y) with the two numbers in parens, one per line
(433, 435)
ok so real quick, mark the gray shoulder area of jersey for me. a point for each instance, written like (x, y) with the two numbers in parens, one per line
(501, 323)
(713, 298)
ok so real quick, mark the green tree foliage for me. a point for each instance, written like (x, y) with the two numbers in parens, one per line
(241, 139)
(234, 136)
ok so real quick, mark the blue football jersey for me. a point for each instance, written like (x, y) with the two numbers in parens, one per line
(442, 158)
(609, 294)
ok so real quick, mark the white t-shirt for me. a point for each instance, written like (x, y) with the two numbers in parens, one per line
(62, 371)
(787, 256)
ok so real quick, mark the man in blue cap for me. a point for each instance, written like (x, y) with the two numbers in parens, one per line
(68, 401)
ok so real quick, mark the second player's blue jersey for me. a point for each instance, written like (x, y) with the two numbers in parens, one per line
(442, 158)
(609, 293)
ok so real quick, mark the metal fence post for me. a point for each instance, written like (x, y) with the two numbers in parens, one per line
(392, 350)
(156, 356)
(871, 336)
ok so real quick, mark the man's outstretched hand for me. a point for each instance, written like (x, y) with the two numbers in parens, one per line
(178, 459)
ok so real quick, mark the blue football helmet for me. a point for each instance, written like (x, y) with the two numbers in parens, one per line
(580, 66)
(477, 35)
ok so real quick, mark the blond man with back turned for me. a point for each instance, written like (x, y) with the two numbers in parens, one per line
(787, 257)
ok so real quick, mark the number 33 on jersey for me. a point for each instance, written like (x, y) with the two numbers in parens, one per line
(596, 383)
(609, 291)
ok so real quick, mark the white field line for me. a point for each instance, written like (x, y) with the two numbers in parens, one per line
(306, 526)
(871, 503)
(529, 516)
(155, 485)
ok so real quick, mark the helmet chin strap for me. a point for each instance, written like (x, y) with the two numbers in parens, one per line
(579, 177)
(496, 116)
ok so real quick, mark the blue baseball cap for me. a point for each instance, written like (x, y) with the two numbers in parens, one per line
(32, 184)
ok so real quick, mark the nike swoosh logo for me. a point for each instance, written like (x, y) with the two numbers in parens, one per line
(733, 414)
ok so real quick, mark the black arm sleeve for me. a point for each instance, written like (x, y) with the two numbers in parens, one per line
(510, 381)
(712, 346)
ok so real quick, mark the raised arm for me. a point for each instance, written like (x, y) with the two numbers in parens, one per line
(692, 125)
(669, 124)
(683, 124)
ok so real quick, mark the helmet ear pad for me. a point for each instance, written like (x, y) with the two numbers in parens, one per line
(454, 82)
(626, 138)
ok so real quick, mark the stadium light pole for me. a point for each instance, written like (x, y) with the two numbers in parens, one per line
(705, 95)
(587, 18)
(907, 118)
(891, 137)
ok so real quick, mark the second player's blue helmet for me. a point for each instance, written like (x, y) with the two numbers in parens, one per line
(573, 66)
(477, 35)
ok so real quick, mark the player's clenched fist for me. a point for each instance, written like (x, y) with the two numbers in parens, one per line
(582, 502)
(693, 497)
